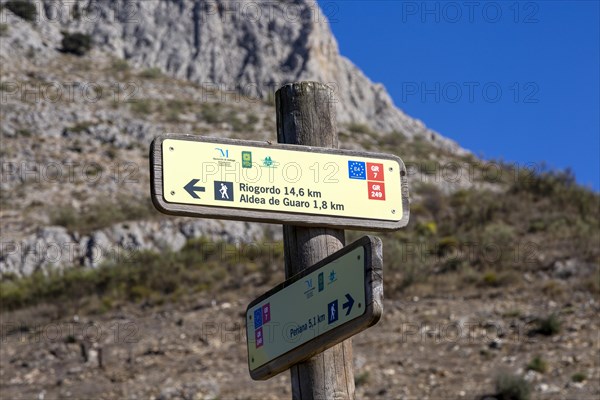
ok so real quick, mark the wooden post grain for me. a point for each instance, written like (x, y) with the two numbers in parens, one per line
(306, 116)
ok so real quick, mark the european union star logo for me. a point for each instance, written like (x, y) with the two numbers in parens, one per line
(357, 170)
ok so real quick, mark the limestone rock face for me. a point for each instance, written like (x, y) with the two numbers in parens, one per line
(246, 46)
(73, 137)
(53, 247)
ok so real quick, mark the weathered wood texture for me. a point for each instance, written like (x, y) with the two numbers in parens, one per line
(306, 116)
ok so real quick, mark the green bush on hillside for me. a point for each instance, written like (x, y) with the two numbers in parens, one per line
(151, 73)
(76, 43)
(538, 364)
(23, 9)
(143, 275)
(512, 387)
(549, 325)
(102, 213)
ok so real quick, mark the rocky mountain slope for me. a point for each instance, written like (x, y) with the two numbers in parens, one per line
(75, 130)
(251, 47)
(433, 348)
(491, 289)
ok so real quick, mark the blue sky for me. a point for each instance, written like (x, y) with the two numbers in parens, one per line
(517, 81)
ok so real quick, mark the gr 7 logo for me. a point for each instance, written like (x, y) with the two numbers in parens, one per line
(375, 172)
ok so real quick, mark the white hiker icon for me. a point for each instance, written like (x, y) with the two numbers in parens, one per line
(223, 191)
(332, 312)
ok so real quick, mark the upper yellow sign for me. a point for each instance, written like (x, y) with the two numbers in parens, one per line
(231, 177)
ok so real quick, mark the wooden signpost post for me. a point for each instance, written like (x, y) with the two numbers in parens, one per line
(306, 183)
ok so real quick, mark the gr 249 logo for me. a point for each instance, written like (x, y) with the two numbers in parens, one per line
(376, 191)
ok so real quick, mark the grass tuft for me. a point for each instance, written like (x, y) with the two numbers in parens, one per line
(101, 214)
(538, 364)
(548, 326)
(512, 387)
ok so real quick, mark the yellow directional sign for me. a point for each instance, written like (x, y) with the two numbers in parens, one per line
(259, 181)
(316, 309)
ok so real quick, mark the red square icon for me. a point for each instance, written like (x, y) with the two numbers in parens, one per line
(374, 172)
(376, 191)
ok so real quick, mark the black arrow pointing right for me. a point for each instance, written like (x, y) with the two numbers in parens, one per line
(348, 304)
(191, 188)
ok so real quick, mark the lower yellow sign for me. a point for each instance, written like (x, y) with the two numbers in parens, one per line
(278, 183)
(316, 309)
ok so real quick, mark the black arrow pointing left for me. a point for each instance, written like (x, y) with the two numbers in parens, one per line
(348, 304)
(191, 188)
